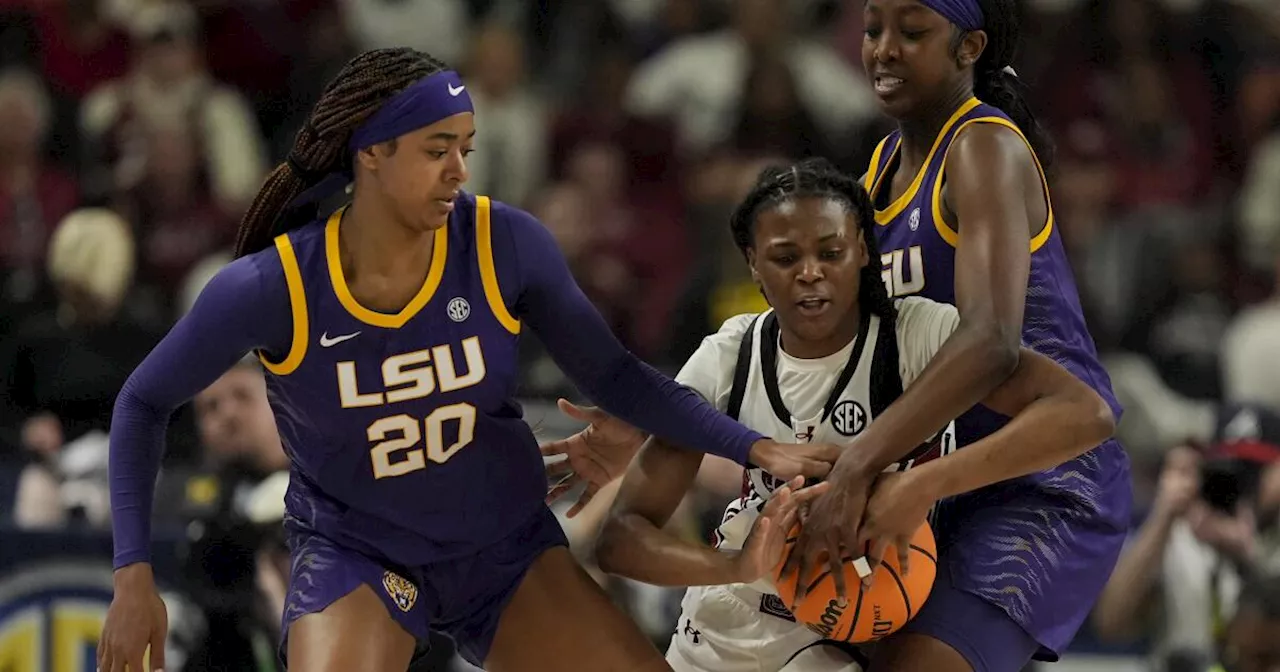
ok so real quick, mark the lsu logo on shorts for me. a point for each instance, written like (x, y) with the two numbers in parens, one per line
(402, 592)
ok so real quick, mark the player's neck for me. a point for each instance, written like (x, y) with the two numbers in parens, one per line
(371, 232)
(921, 131)
(803, 348)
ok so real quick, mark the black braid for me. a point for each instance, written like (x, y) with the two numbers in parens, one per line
(817, 177)
(365, 83)
(993, 86)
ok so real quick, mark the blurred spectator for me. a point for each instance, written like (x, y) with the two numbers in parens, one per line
(34, 194)
(1251, 351)
(773, 119)
(63, 368)
(63, 485)
(1181, 325)
(80, 47)
(438, 27)
(510, 155)
(167, 86)
(175, 218)
(1202, 538)
(699, 81)
(1129, 70)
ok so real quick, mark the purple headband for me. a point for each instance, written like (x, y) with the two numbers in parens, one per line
(967, 14)
(425, 102)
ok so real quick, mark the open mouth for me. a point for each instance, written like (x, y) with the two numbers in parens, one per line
(886, 84)
(812, 306)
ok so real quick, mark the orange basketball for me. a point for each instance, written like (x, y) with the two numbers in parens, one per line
(872, 612)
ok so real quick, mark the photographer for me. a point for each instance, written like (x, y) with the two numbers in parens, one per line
(1200, 542)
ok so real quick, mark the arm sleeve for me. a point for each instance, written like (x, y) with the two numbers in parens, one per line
(923, 326)
(243, 308)
(582, 344)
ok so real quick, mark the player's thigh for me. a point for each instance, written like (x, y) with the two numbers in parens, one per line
(559, 618)
(913, 652)
(355, 633)
(956, 631)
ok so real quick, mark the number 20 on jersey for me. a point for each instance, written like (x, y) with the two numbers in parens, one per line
(398, 446)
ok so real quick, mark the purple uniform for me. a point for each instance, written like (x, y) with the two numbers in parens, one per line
(1040, 548)
(412, 470)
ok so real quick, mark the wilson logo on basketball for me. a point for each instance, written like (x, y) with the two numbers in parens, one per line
(830, 619)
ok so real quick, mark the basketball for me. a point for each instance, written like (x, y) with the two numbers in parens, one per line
(872, 612)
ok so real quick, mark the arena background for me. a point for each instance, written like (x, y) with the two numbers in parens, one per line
(139, 130)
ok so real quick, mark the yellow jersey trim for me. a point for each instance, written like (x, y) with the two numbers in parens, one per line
(297, 308)
(948, 232)
(869, 180)
(488, 273)
(884, 217)
(439, 252)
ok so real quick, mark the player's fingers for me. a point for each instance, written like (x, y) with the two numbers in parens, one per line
(813, 468)
(778, 503)
(588, 414)
(874, 558)
(559, 468)
(806, 495)
(134, 662)
(555, 447)
(587, 495)
(561, 487)
(835, 563)
(157, 651)
(903, 545)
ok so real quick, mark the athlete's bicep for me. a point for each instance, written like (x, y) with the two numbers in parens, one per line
(245, 307)
(656, 482)
(1037, 377)
(986, 171)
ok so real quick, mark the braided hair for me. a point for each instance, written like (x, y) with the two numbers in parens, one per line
(363, 86)
(809, 178)
(993, 85)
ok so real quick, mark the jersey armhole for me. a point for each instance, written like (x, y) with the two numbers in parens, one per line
(949, 232)
(297, 309)
(488, 272)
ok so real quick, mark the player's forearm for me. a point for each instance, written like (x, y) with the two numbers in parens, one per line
(1134, 577)
(1046, 433)
(968, 366)
(631, 546)
(137, 444)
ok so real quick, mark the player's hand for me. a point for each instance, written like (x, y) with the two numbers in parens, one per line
(898, 505)
(768, 534)
(788, 460)
(597, 454)
(136, 620)
(1179, 482)
(1234, 536)
(830, 532)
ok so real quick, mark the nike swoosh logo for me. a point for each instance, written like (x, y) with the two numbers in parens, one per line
(454, 92)
(326, 342)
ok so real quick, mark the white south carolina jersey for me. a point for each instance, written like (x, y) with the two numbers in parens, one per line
(831, 399)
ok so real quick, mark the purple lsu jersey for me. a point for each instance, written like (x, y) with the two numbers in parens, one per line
(404, 439)
(1040, 547)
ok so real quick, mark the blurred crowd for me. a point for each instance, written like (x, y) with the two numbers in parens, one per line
(135, 133)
